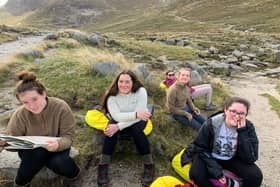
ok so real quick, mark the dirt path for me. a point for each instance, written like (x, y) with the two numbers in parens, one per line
(11, 48)
(266, 121)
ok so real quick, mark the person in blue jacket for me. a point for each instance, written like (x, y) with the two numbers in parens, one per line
(226, 141)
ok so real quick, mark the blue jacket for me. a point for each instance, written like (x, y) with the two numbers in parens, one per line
(247, 148)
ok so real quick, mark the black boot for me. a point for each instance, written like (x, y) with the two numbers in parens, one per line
(16, 185)
(76, 181)
(102, 175)
(148, 175)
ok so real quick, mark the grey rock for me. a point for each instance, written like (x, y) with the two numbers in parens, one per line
(106, 68)
(277, 56)
(237, 53)
(213, 50)
(96, 40)
(33, 53)
(170, 41)
(142, 70)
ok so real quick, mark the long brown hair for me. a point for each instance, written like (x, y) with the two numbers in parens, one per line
(28, 82)
(113, 89)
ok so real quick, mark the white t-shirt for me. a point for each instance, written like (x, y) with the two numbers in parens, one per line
(225, 143)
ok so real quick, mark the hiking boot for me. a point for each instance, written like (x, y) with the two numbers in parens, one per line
(16, 185)
(148, 175)
(75, 182)
(211, 106)
(102, 175)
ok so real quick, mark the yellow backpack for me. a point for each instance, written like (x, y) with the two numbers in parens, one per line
(182, 171)
(99, 120)
(163, 86)
(166, 181)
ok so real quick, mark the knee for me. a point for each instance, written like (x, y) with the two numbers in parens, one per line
(195, 174)
(254, 177)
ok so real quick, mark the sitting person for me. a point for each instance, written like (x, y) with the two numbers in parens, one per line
(40, 115)
(201, 90)
(179, 102)
(170, 78)
(126, 102)
(227, 141)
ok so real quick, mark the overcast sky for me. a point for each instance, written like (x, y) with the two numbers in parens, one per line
(3, 2)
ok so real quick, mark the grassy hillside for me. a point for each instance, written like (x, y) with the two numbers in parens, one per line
(263, 15)
(66, 72)
(181, 15)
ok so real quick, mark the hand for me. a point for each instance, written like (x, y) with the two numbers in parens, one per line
(2, 143)
(241, 123)
(189, 116)
(223, 180)
(143, 115)
(197, 111)
(111, 129)
(52, 145)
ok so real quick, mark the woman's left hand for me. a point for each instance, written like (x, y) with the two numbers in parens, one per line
(196, 111)
(241, 123)
(111, 129)
(52, 145)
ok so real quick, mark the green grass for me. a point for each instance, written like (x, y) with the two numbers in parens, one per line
(278, 87)
(156, 49)
(274, 102)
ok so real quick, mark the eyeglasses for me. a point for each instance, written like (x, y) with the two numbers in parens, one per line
(171, 74)
(234, 112)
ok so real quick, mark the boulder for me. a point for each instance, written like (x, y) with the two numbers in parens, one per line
(106, 68)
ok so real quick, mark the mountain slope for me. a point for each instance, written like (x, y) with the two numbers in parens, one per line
(150, 15)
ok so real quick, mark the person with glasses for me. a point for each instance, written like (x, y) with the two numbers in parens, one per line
(200, 90)
(179, 102)
(170, 78)
(227, 141)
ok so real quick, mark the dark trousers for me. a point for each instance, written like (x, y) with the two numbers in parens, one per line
(33, 160)
(136, 131)
(196, 122)
(250, 173)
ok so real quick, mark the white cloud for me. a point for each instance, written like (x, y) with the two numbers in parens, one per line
(3, 2)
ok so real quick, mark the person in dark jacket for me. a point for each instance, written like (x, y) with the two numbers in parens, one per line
(226, 141)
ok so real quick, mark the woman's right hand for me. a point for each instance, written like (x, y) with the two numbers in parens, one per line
(223, 180)
(111, 129)
(2, 143)
(189, 116)
(143, 115)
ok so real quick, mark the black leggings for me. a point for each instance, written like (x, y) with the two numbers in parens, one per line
(33, 160)
(136, 131)
(250, 173)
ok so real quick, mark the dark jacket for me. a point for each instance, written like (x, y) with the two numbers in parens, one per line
(247, 148)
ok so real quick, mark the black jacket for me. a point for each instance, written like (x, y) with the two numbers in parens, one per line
(247, 147)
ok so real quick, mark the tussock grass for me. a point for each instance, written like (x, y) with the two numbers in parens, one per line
(274, 102)
(6, 37)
